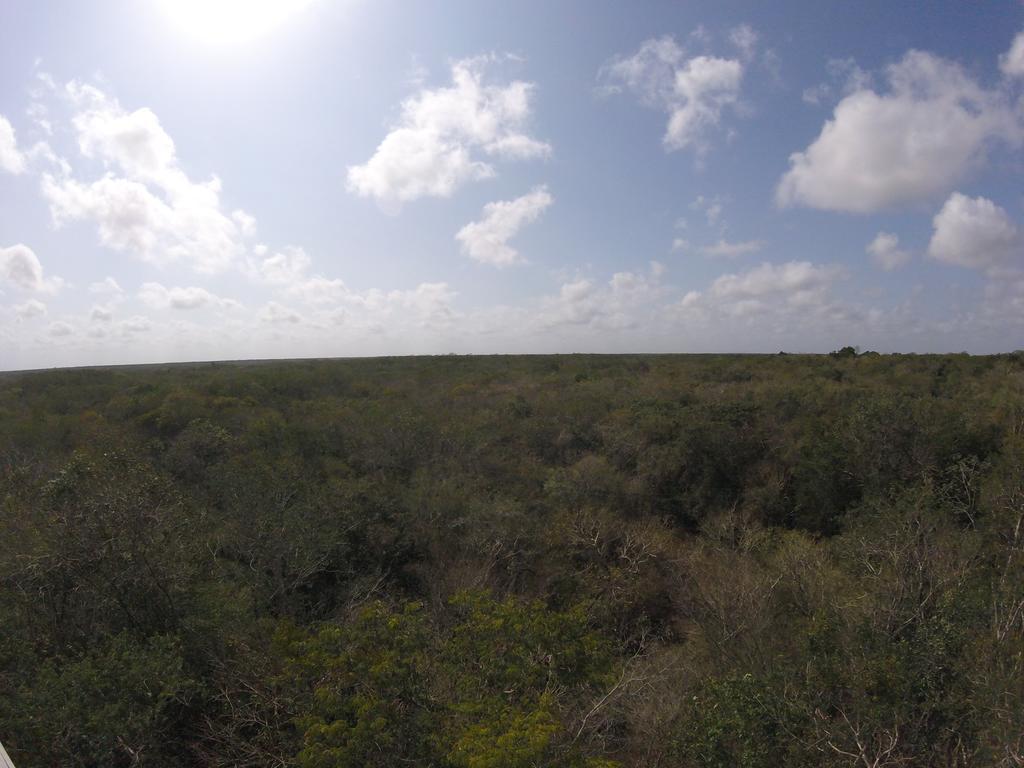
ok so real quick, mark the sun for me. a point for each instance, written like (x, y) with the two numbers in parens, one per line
(227, 22)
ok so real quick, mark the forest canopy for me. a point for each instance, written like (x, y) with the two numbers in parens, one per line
(508, 562)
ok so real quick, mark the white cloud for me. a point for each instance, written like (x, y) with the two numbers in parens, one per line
(740, 310)
(319, 290)
(689, 299)
(135, 324)
(577, 303)
(722, 248)
(145, 204)
(134, 141)
(725, 249)
(694, 92)
(627, 301)
(886, 252)
(288, 269)
(487, 240)
(705, 85)
(41, 87)
(277, 314)
(285, 267)
(29, 309)
(910, 144)
(844, 76)
(158, 296)
(745, 39)
(816, 93)
(798, 282)
(768, 301)
(101, 313)
(20, 267)
(427, 305)
(975, 233)
(435, 147)
(11, 159)
(712, 208)
(60, 329)
(37, 113)
(106, 286)
(1012, 62)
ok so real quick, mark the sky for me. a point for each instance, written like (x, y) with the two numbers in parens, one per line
(230, 179)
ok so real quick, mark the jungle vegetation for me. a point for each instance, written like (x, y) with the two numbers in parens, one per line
(515, 562)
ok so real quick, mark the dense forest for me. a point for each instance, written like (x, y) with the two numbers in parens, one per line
(515, 562)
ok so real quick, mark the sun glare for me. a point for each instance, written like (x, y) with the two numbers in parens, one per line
(227, 22)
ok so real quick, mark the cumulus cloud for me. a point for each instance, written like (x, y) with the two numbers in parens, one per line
(158, 296)
(909, 144)
(284, 267)
(885, 251)
(844, 76)
(577, 303)
(721, 249)
(745, 38)
(975, 233)
(20, 267)
(134, 325)
(288, 269)
(711, 207)
(11, 159)
(790, 278)
(693, 91)
(769, 304)
(107, 285)
(319, 290)
(427, 306)
(626, 301)
(1012, 62)
(134, 141)
(771, 299)
(29, 309)
(487, 240)
(794, 286)
(145, 204)
(278, 314)
(729, 250)
(447, 137)
(60, 329)
(690, 299)
(101, 313)
(751, 309)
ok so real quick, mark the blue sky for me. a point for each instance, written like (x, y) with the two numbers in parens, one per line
(209, 179)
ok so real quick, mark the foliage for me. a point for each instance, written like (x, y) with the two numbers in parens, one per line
(505, 562)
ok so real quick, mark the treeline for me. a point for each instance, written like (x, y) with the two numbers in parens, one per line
(515, 562)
